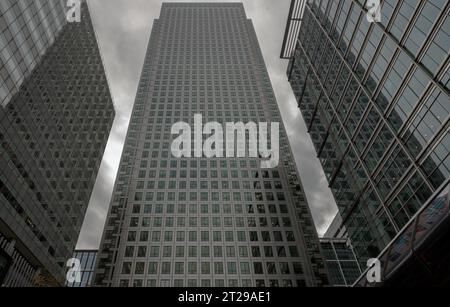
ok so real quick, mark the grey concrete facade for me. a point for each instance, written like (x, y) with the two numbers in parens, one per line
(375, 97)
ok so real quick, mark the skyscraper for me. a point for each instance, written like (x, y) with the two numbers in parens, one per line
(375, 97)
(87, 260)
(199, 221)
(55, 117)
(342, 264)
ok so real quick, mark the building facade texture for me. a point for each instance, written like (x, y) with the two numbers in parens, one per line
(55, 119)
(28, 29)
(420, 254)
(336, 229)
(375, 98)
(202, 222)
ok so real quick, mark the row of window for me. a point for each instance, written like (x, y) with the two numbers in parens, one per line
(210, 251)
(226, 208)
(204, 268)
(212, 173)
(192, 283)
(207, 221)
(206, 196)
(208, 236)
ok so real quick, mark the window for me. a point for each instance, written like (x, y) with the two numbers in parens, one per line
(179, 268)
(245, 268)
(192, 268)
(243, 251)
(218, 268)
(152, 268)
(206, 269)
(165, 268)
(142, 251)
(284, 267)
(140, 267)
(271, 268)
(154, 251)
(129, 251)
(126, 268)
(258, 267)
(205, 251)
(232, 268)
(192, 251)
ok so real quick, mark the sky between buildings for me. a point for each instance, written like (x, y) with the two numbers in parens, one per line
(123, 29)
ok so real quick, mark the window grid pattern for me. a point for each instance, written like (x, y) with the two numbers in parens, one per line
(53, 134)
(205, 222)
(342, 264)
(28, 29)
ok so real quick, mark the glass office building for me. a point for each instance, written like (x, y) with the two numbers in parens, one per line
(55, 119)
(199, 222)
(87, 260)
(375, 98)
(341, 262)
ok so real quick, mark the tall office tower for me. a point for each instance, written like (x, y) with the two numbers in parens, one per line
(87, 260)
(199, 221)
(55, 119)
(375, 98)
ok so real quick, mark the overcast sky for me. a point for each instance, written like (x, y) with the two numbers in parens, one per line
(123, 28)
